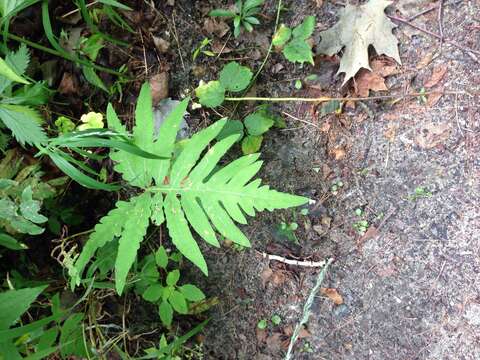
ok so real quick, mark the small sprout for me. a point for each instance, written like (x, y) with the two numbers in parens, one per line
(262, 324)
(276, 320)
(304, 212)
(422, 98)
(293, 226)
(358, 212)
(283, 226)
(420, 192)
(92, 120)
(298, 84)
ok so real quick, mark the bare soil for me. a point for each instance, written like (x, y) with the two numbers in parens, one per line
(410, 287)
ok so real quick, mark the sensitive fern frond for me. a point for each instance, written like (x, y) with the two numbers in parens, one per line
(187, 191)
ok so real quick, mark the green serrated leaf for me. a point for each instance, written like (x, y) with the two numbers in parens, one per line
(24, 124)
(178, 302)
(258, 123)
(10, 74)
(134, 229)
(235, 77)
(299, 51)
(305, 29)
(191, 292)
(283, 34)
(211, 94)
(92, 77)
(109, 227)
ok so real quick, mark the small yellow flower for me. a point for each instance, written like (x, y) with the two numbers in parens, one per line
(92, 120)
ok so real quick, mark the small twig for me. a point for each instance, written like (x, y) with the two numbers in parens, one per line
(77, 10)
(327, 98)
(175, 35)
(301, 120)
(306, 310)
(469, 51)
(293, 262)
(440, 23)
(426, 11)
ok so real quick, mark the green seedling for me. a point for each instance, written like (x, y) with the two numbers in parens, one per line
(422, 97)
(167, 294)
(304, 212)
(262, 324)
(276, 320)
(361, 226)
(295, 43)
(243, 14)
(336, 186)
(201, 49)
(288, 230)
(420, 192)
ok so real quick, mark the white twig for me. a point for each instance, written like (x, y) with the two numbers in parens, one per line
(293, 262)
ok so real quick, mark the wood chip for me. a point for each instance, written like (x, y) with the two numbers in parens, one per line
(333, 295)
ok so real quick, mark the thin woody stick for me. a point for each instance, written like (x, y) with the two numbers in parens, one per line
(327, 98)
(312, 264)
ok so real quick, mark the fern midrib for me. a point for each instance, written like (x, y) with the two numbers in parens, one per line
(203, 191)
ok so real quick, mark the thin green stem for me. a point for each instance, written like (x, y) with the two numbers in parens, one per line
(59, 54)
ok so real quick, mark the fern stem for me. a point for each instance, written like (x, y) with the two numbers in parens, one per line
(327, 98)
(59, 54)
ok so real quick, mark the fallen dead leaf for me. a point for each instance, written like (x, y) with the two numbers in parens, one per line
(368, 80)
(371, 232)
(432, 135)
(68, 84)
(265, 275)
(333, 295)
(338, 153)
(358, 28)
(319, 3)
(274, 342)
(426, 60)
(159, 87)
(215, 27)
(391, 132)
(161, 45)
(437, 75)
(384, 66)
(304, 333)
(434, 98)
(218, 47)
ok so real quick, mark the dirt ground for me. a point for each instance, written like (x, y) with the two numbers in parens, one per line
(410, 286)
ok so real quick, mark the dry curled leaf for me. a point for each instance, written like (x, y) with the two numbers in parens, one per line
(368, 80)
(432, 135)
(333, 295)
(68, 84)
(438, 74)
(426, 60)
(359, 27)
(159, 87)
(435, 97)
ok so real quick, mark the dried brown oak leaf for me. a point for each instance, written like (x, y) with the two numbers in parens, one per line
(358, 28)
